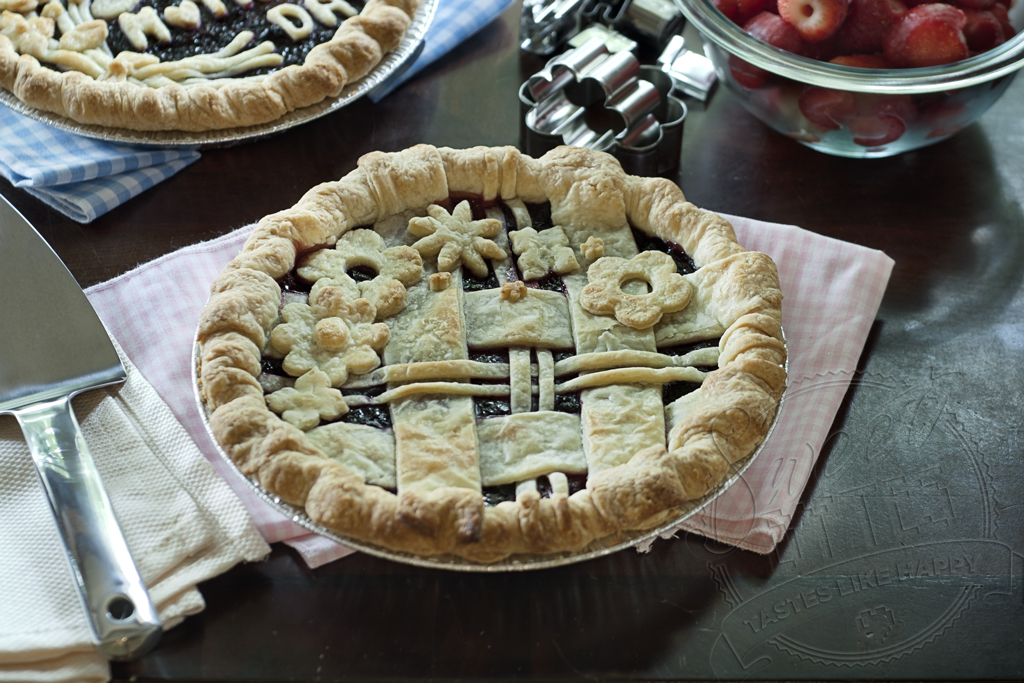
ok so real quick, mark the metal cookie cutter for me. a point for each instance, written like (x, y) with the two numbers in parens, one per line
(694, 73)
(547, 24)
(652, 22)
(589, 97)
(660, 155)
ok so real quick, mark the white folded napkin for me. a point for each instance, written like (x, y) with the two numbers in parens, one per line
(182, 523)
(80, 177)
(832, 292)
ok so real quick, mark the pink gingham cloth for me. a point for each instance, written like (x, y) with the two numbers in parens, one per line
(153, 312)
(832, 292)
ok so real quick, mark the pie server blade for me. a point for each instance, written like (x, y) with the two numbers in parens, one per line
(53, 346)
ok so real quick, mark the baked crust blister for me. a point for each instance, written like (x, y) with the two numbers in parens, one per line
(85, 82)
(644, 453)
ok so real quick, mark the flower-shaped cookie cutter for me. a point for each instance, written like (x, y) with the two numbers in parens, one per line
(590, 97)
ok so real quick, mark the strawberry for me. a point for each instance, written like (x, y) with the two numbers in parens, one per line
(746, 74)
(983, 30)
(861, 61)
(875, 131)
(1003, 16)
(944, 118)
(976, 4)
(928, 35)
(816, 20)
(901, 107)
(827, 109)
(866, 23)
(881, 119)
(823, 50)
(741, 11)
(773, 30)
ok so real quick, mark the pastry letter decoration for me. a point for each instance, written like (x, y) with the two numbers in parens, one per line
(326, 11)
(137, 26)
(283, 16)
(216, 7)
(184, 15)
(85, 36)
(111, 9)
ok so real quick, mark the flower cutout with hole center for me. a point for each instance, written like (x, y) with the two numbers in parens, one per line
(669, 291)
(543, 252)
(394, 269)
(310, 401)
(333, 332)
(456, 238)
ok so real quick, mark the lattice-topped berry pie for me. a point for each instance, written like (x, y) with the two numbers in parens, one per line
(190, 65)
(477, 353)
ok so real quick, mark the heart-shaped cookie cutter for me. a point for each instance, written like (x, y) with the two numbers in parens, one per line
(590, 97)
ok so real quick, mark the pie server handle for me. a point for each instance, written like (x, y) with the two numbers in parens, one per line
(123, 617)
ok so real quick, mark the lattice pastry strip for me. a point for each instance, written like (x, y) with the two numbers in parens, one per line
(545, 380)
(520, 382)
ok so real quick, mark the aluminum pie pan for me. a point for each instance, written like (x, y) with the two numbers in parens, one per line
(522, 562)
(391, 66)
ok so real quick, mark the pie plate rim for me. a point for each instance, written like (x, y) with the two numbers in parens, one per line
(391, 65)
(519, 562)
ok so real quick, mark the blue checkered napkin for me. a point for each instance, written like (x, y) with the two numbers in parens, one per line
(80, 177)
(454, 22)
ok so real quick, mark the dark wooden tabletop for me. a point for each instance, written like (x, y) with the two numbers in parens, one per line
(904, 559)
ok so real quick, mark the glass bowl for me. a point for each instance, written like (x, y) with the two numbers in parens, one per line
(854, 112)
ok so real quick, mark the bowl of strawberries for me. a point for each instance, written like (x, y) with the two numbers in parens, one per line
(863, 78)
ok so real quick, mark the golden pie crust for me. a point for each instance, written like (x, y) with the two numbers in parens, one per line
(359, 44)
(645, 460)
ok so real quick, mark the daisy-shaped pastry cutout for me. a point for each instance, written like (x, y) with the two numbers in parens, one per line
(394, 269)
(543, 252)
(669, 291)
(310, 401)
(334, 333)
(456, 238)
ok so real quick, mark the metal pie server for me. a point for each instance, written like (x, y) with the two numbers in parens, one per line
(53, 346)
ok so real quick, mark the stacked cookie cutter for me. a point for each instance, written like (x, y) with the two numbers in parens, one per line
(547, 25)
(591, 97)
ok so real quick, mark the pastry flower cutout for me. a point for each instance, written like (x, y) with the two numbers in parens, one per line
(593, 248)
(669, 292)
(334, 333)
(513, 291)
(455, 237)
(396, 268)
(544, 251)
(310, 401)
